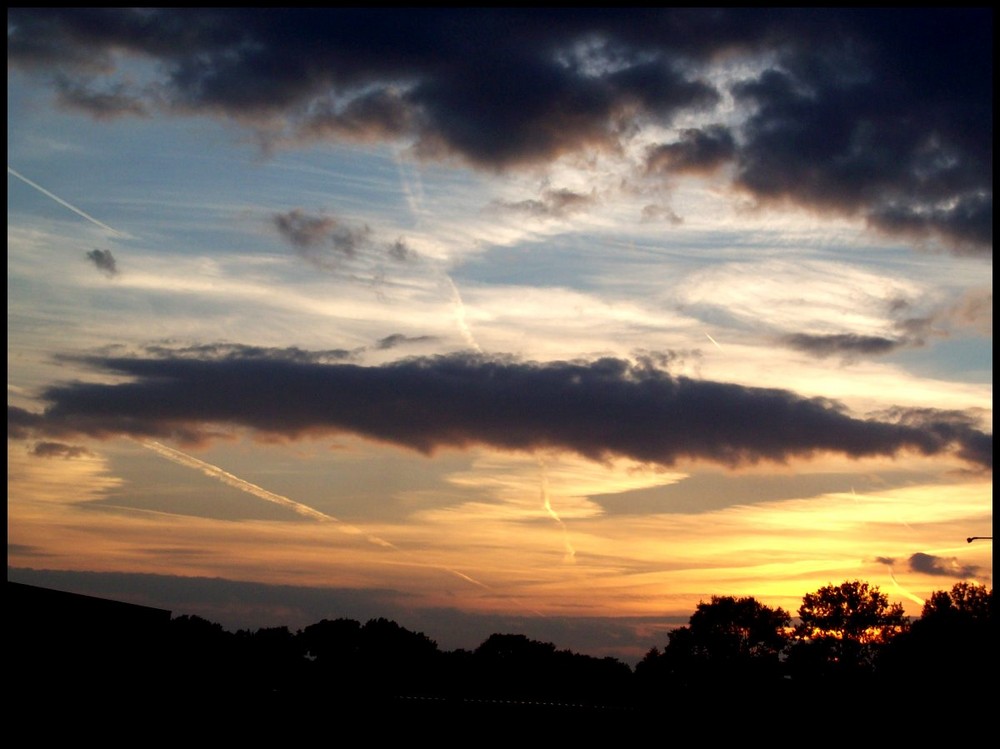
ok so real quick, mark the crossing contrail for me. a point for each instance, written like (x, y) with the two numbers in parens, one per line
(63, 203)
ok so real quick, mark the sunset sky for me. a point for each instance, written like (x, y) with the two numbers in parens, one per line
(546, 322)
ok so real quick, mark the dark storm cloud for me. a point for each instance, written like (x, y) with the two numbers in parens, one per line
(104, 261)
(888, 116)
(597, 409)
(697, 151)
(930, 564)
(843, 344)
(59, 450)
(883, 114)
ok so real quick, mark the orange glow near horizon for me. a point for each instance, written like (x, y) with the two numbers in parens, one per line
(503, 553)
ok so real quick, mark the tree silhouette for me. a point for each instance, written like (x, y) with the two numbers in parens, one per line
(950, 644)
(396, 660)
(729, 642)
(965, 602)
(843, 628)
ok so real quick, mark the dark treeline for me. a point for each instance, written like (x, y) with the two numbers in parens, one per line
(734, 652)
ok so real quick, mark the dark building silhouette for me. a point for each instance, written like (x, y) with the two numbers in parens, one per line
(67, 648)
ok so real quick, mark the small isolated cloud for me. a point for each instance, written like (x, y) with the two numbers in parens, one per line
(653, 212)
(230, 351)
(59, 450)
(349, 241)
(398, 339)
(889, 561)
(974, 311)
(26, 550)
(551, 204)
(401, 252)
(104, 261)
(302, 230)
(929, 564)
(696, 152)
(321, 240)
(841, 344)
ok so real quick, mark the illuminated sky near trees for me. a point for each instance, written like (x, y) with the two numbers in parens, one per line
(540, 321)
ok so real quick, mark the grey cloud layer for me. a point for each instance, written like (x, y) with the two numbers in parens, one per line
(884, 114)
(597, 409)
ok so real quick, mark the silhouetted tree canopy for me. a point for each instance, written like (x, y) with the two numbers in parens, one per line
(514, 648)
(853, 610)
(951, 644)
(843, 628)
(965, 602)
(728, 641)
(737, 651)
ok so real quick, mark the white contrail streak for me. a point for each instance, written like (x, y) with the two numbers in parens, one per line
(414, 192)
(258, 491)
(547, 504)
(459, 307)
(236, 482)
(904, 591)
(414, 197)
(63, 203)
(713, 341)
